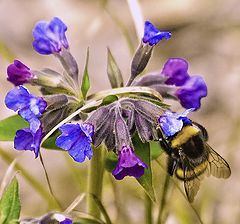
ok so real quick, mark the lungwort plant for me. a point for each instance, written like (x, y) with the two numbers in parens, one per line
(116, 125)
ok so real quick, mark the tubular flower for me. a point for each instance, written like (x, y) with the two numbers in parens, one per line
(26, 139)
(30, 108)
(76, 139)
(171, 123)
(49, 37)
(191, 92)
(152, 35)
(175, 70)
(190, 89)
(128, 164)
(18, 73)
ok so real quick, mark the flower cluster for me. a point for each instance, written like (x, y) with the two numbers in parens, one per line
(30, 108)
(43, 113)
(115, 123)
(175, 82)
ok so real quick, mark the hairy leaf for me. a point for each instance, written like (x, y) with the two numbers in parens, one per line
(10, 204)
(10, 125)
(85, 80)
(113, 71)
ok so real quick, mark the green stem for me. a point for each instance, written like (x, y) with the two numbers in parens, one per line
(148, 209)
(52, 203)
(95, 180)
(48, 180)
(163, 199)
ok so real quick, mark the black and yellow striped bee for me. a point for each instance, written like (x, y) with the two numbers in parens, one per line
(190, 158)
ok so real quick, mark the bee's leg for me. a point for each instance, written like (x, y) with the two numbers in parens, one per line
(171, 165)
(165, 146)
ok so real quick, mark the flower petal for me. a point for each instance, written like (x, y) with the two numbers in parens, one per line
(171, 123)
(152, 35)
(76, 138)
(175, 69)
(49, 37)
(26, 139)
(18, 73)
(191, 92)
(128, 164)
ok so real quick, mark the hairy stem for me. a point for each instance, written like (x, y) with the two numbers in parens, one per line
(95, 180)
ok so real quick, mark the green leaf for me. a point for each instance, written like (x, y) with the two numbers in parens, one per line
(111, 161)
(10, 204)
(143, 151)
(10, 125)
(156, 150)
(85, 80)
(113, 71)
(50, 142)
(109, 99)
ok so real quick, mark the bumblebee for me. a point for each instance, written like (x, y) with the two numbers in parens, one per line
(190, 158)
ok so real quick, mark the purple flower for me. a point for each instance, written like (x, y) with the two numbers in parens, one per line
(18, 73)
(191, 92)
(171, 123)
(152, 35)
(76, 139)
(175, 70)
(189, 89)
(128, 164)
(49, 37)
(28, 106)
(26, 139)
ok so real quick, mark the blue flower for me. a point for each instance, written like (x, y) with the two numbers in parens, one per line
(128, 164)
(171, 123)
(26, 139)
(18, 73)
(152, 35)
(76, 139)
(49, 37)
(28, 106)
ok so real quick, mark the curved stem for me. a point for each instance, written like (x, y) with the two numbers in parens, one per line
(31, 180)
(48, 181)
(95, 180)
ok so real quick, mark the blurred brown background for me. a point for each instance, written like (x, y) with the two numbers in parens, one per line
(206, 33)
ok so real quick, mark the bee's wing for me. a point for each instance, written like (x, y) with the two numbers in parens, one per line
(217, 166)
(191, 180)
